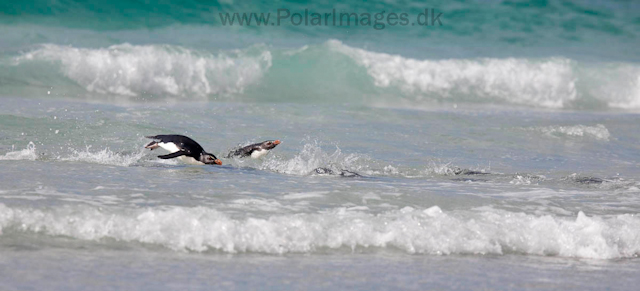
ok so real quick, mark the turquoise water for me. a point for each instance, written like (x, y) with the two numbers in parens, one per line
(498, 151)
(550, 54)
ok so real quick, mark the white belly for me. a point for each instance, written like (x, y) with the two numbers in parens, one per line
(259, 153)
(172, 148)
(169, 146)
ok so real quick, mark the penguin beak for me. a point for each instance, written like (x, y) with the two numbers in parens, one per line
(217, 162)
(277, 142)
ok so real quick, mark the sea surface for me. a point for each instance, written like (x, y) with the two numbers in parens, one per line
(499, 150)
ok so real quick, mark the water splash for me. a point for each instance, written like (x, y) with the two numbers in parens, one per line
(26, 154)
(105, 157)
(312, 157)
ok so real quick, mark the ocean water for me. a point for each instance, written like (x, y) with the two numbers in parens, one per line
(497, 151)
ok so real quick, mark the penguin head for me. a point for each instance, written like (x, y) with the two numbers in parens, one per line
(269, 144)
(209, 159)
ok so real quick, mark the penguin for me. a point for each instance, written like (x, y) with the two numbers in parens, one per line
(343, 173)
(185, 148)
(255, 150)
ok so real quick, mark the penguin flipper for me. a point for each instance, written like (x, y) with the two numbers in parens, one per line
(152, 145)
(173, 155)
(237, 153)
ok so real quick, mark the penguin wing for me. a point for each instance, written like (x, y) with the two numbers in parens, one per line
(183, 142)
(173, 155)
(241, 152)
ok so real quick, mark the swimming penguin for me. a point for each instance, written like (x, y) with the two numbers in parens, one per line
(343, 173)
(180, 146)
(255, 150)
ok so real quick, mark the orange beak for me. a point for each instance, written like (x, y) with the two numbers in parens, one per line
(218, 162)
(277, 142)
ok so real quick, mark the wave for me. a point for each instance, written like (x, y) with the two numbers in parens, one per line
(28, 153)
(548, 83)
(323, 73)
(414, 231)
(149, 70)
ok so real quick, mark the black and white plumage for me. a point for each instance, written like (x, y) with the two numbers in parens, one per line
(182, 147)
(255, 150)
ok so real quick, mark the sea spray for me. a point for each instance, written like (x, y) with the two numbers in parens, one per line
(26, 154)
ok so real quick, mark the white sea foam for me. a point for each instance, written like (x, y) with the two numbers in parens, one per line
(439, 168)
(599, 131)
(26, 154)
(312, 157)
(134, 70)
(167, 70)
(415, 231)
(550, 82)
(546, 83)
(105, 157)
(616, 84)
(526, 179)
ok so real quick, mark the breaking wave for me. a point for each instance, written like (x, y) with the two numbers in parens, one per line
(134, 70)
(549, 83)
(317, 73)
(546, 83)
(414, 231)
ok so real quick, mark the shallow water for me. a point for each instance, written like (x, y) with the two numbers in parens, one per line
(503, 155)
(144, 269)
(453, 187)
